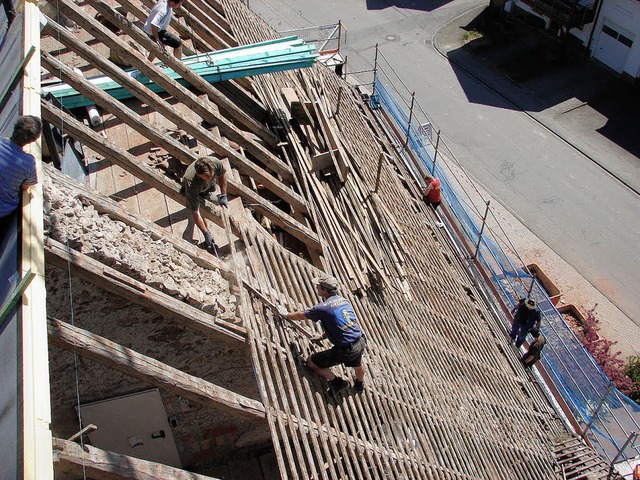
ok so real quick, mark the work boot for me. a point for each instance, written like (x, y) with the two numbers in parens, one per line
(338, 384)
(358, 387)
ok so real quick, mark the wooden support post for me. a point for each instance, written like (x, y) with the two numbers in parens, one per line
(149, 370)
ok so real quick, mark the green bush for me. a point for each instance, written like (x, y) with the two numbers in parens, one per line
(633, 372)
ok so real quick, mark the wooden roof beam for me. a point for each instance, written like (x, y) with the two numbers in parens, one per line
(139, 61)
(240, 162)
(138, 292)
(171, 189)
(153, 372)
(186, 72)
(203, 109)
(89, 461)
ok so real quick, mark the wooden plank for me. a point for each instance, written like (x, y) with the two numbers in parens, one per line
(245, 166)
(137, 292)
(90, 462)
(324, 162)
(27, 448)
(149, 370)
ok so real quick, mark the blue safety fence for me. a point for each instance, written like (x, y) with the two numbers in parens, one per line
(608, 416)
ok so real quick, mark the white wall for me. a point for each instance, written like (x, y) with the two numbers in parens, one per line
(624, 14)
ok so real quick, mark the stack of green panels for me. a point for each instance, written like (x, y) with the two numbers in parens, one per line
(248, 60)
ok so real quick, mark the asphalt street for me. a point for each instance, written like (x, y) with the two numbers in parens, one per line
(582, 211)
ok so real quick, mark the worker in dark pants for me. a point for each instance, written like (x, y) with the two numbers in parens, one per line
(156, 27)
(526, 317)
(340, 325)
(535, 349)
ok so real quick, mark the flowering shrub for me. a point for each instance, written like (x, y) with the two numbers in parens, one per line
(600, 349)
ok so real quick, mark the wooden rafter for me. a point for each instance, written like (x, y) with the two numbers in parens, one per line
(122, 285)
(240, 162)
(147, 369)
(92, 462)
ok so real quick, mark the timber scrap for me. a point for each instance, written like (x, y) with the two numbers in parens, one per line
(445, 397)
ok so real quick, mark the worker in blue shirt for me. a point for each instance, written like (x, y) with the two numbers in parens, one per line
(340, 326)
(17, 168)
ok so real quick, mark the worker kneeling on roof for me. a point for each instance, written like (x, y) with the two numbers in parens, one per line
(340, 325)
(198, 182)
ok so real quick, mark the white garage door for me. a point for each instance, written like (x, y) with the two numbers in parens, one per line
(614, 44)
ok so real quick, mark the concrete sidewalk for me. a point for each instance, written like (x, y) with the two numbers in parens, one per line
(581, 102)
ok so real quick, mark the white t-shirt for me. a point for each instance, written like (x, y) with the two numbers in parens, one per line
(160, 17)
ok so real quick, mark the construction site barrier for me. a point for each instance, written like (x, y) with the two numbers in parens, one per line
(607, 417)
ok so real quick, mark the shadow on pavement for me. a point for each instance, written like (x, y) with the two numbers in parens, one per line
(424, 5)
(540, 71)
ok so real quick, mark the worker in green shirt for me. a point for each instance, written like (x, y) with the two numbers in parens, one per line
(198, 182)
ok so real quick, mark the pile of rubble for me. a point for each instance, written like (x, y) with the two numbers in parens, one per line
(156, 263)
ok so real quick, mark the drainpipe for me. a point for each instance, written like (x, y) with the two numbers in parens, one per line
(595, 23)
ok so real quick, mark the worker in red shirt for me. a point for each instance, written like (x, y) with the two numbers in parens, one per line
(431, 194)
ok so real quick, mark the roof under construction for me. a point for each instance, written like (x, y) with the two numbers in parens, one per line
(143, 320)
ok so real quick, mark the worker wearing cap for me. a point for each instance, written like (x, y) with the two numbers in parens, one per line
(526, 317)
(198, 180)
(340, 326)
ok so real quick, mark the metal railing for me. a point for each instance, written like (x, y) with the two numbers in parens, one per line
(608, 417)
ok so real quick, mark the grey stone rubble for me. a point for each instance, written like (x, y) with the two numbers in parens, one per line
(134, 253)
